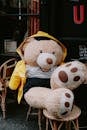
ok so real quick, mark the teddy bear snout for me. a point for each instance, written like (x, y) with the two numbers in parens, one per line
(49, 61)
(46, 60)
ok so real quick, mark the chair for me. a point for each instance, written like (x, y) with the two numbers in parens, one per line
(69, 120)
(6, 70)
(37, 112)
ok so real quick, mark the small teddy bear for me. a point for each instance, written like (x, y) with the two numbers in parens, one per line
(41, 53)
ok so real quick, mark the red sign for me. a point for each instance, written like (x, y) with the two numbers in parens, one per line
(78, 14)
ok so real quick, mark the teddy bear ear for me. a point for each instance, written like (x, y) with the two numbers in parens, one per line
(21, 48)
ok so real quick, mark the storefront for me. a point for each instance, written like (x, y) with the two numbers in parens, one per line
(66, 20)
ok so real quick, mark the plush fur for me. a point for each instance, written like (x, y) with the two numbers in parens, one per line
(69, 75)
(57, 102)
(44, 53)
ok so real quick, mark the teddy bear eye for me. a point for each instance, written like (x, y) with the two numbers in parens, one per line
(40, 51)
(53, 52)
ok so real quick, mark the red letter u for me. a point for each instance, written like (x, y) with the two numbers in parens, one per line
(78, 15)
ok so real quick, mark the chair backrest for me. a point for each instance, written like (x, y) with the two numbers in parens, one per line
(6, 70)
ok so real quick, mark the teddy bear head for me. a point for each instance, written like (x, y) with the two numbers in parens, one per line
(69, 75)
(42, 50)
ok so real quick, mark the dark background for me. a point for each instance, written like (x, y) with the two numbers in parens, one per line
(57, 18)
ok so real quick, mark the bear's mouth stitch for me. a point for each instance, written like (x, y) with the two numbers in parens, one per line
(64, 113)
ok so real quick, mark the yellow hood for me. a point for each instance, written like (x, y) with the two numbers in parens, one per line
(41, 34)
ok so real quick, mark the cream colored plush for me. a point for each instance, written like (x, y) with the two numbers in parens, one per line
(69, 75)
(58, 102)
(40, 55)
(47, 55)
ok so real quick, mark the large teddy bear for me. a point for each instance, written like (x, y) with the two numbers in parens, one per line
(40, 55)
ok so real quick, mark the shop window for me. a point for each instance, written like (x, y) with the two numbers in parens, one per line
(18, 19)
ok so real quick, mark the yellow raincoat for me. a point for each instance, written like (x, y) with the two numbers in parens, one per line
(18, 79)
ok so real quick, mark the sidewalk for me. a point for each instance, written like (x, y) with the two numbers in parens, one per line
(16, 119)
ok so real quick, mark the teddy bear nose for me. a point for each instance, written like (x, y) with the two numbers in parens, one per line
(49, 61)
